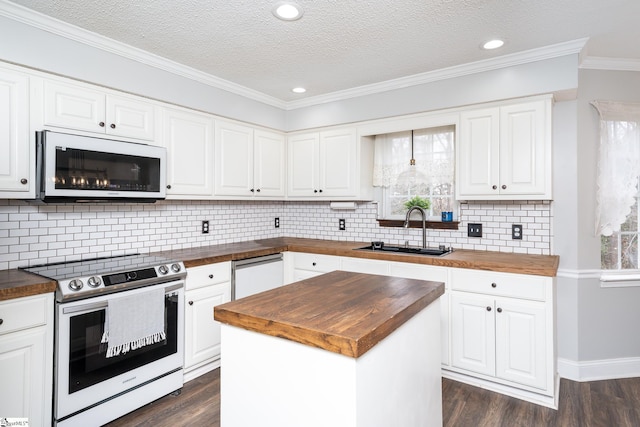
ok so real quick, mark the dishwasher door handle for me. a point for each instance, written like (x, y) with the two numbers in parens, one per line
(252, 262)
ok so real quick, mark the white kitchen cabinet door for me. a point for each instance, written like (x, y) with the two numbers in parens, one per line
(16, 175)
(234, 160)
(525, 149)
(269, 164)
(74, 107)
(338, 163)
(323, 165)
(504, 152)
(26, 358)
(188, 137)
(473, 333)
(89, 109)
(202, 332)
(130, 117)
(303, 165)
(520, 342)
(479, 152)
(22, 362)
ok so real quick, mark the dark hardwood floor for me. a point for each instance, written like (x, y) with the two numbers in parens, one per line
(611, 403)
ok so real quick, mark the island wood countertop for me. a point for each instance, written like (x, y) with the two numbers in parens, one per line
(342, 312)
(16, 283)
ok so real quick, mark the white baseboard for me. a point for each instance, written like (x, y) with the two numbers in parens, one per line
(594, 370)
(195, 372)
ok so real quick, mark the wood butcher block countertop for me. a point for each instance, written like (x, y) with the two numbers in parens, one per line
(343, 312)
(16, 283)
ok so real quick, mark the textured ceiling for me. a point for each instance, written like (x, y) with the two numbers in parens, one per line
(342, 44)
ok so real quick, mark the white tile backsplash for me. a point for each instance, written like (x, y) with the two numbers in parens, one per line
(34, 234)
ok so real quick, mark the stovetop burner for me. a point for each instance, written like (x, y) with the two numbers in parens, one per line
(87, 278)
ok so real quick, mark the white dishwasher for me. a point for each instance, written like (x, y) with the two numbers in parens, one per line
(259, 274)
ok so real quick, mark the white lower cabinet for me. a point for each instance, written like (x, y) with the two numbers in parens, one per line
(206, 286)
(26, 358)
(502, 331)
(304, 265)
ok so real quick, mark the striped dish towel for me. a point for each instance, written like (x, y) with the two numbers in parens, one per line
(133, 321)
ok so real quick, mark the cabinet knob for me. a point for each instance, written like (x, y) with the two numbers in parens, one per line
(315, 191)
(258, 190)
(321, 191)
(190, 302)
(211, 276)
(101, 124)
(488, 308)
(499, 310)
(23, 181)
(252, 190)
(504, 187)
(112, 125)
(169, 187)
(1, 321)
(495, 187)
(493, 285)
(313, 263)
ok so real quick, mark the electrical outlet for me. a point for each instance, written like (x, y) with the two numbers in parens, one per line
(205, 227)
(516, 231)
(276, 222)
(474, 230)
(341, 224)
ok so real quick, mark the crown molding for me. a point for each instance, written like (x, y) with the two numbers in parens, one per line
(519, 58)
(72, 32)
(611, 64)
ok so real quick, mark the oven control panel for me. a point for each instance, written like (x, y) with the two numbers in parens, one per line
(87, 286)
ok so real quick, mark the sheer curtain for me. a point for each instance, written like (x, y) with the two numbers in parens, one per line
(432, 151)
(618, 164)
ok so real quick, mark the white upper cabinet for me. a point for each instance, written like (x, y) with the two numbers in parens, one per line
(269, 164)
(188, 137)
(324, 165)
(90, 109)
(504, 152)
(16, 174)
(249, 163)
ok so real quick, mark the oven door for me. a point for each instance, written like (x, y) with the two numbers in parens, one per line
(84, 376)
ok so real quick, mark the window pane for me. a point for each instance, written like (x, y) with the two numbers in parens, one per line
(631, 224)
(629, 251)
(609, 252)
(434, 156)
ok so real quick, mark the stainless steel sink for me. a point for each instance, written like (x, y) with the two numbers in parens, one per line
(381, 247)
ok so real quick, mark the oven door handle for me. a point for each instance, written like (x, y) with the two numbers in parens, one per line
(103, 304)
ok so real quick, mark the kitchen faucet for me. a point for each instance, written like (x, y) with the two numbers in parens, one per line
(424, 222)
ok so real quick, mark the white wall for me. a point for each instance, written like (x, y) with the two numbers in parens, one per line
(35, 48)
(541, 77)
(597, 327)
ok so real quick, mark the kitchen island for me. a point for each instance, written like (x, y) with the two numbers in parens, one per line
(341, 349)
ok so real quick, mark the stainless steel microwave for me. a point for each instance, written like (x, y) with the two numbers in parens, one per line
(83, 168)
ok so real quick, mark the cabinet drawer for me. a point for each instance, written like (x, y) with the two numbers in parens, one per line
(22, 313)
(314, 262)
(499, 284)
(206, 275)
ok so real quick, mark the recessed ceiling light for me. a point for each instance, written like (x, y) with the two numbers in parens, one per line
(493, 44)
(287, 11)
(298, 90)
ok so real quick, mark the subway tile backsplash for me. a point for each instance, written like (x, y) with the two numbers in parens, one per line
(34, 234)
